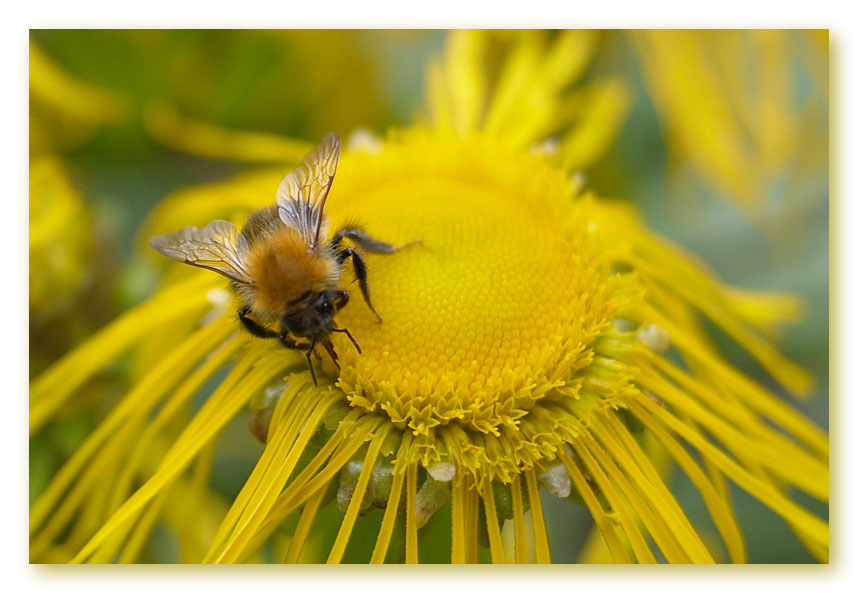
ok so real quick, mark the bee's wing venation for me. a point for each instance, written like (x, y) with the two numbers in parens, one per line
(302, 193)
(219, 246)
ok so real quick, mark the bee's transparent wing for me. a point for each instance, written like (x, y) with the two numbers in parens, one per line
(302, 193)
(219, 246)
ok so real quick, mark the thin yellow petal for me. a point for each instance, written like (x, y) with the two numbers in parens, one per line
(595, 551)
(641, 473)
(603, 522)
(348, 521)
(472, 522)
(134, 545)
(68, 95)
(730, 410)
(495, 541)
(174, 404)
(306, 484)
(411, 514)
(802, 471)
(139, 401)
(463, 62)
(458, 519)
(512, 82)
(568, 57)
(194, 499)
(170, 128)
(286, 451)
(222, 406)
(647, 510)
(543, 553)
(382, 541)
(748, 392)
(300, 490)
(598, 124)
(812, 526)
(302, 530)
(68, 504)
(51, 389)
(522, 555)
(697, 288)
(618, 505)
(721, 513)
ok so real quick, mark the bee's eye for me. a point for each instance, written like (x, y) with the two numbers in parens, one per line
(324, 306)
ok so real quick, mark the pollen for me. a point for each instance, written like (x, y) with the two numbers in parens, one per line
(495, 308)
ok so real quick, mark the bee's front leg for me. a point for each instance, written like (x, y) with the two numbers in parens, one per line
(360, 273)
(288, 342)
(253, 327)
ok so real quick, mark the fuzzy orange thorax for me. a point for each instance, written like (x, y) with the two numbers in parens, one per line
(283, 268)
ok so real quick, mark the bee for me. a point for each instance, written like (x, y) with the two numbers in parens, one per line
(283, 269)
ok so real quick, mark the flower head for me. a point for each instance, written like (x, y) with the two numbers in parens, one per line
(537, 339)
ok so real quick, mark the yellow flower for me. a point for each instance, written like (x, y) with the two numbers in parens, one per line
(66, 247)
(747, 110)
(64, 111)
(538, 338)
(57, 268)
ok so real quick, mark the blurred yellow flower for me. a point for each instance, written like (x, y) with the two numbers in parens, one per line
(540, 338)
(65, 112)
(64, 241)
(748, 111)
(67, 264)
(60, 239)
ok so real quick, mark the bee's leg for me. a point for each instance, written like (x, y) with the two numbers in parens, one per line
(253, 327)
(341, 299)
(360, 272)
(348, 333)
(362, 238)
(329, 347)
(288, 342)
(310, 363)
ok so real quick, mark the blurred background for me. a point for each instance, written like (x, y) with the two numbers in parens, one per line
(724, 150)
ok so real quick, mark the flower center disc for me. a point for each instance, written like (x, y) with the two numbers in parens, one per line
(481, 318)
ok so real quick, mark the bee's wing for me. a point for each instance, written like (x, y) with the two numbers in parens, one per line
(302, 193)
(219, 246)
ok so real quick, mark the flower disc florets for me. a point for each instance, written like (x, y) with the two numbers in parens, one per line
(495, 310)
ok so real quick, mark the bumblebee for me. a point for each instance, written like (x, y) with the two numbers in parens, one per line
(280, 265)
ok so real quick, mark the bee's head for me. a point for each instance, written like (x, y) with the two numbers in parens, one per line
(312, 315)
